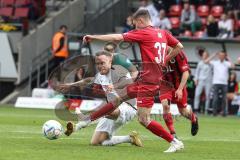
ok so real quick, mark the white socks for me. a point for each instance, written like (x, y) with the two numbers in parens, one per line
(116, 140)
(82, 124)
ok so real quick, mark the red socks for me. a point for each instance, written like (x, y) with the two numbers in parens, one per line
(104, 110)
(169, 122)
(158, 130)
(193, 117)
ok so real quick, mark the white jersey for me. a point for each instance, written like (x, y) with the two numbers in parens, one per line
(116, 74)
(127, 112)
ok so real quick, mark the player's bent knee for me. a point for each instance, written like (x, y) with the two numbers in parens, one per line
(166, 106)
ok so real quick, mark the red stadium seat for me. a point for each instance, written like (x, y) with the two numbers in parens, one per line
(217, 11)
(5, 3)
(187, 33)
(203, 10)
(21, 12)
(7, 11)
(175, 10)
(175, 22)
(22, 3)
(199, 34)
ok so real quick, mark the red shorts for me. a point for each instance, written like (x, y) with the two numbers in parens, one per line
(171, 96)
(144, 93)
(148, 102)
(145, 102)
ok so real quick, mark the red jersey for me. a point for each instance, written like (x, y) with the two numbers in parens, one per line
(153, 44)
(175, 69)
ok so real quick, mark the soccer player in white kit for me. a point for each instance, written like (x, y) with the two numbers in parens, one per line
(107, 77)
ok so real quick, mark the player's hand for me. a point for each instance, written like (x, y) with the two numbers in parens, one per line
(87, 38)
(62, 88)
(179, 94)
(109, 88)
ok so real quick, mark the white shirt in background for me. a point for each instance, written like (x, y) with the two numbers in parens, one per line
(163, 23)
(220, 71)
(203, 72)
(227, 25)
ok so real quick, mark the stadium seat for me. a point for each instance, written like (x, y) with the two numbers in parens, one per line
(217, 11)
(7, 11)
(5, 3)
(21, 12)
(203, 11)
(175, 21)
(187, 33)
(22, 3)
(199, 34)
(175, 10)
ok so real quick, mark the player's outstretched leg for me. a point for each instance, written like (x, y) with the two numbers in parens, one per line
(133, 138)
(157, 129)
(85, 120)
(192, 117)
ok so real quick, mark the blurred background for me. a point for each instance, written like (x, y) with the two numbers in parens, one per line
(29, 32)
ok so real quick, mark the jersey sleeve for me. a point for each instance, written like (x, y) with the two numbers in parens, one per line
(172, 41)
(132, 36)
(182, 62)
(120, 59)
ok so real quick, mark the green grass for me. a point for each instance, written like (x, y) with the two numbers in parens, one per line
(21, 139)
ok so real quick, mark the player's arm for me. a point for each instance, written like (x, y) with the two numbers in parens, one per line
(174, 52)
(64, 88)
(108, 37)
(82, 82)
(133, 72)
(184, 78)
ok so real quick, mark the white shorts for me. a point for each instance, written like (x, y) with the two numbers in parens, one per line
(127, 113)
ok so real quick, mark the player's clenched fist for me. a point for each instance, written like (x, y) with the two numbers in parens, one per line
(87, 38)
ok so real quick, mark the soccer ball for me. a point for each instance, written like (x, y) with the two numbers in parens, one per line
(52, 129)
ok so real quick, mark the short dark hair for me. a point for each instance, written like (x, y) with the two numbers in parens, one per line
(106, 53)
(141, 13)
(63, 27)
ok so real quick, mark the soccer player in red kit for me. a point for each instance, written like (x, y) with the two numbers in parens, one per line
(177, 72)
(153, 44)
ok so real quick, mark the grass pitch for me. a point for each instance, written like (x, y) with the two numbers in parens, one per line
(21, 139)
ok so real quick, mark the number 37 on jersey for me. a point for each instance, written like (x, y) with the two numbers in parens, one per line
(161, 48)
